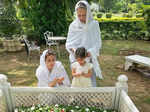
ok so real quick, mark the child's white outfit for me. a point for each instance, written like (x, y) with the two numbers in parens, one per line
(81, 81)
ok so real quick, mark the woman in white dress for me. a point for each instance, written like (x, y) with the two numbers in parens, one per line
(85, 32)
(51, 73)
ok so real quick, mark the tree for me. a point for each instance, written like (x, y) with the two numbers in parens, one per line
(9, 24)
(43, 15)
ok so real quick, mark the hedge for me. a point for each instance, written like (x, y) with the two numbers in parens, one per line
(123, 28)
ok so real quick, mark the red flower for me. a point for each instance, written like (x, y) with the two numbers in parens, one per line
(62, 111)
(51, 110)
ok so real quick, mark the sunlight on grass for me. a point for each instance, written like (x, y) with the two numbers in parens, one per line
(112, 47)
(19, 73)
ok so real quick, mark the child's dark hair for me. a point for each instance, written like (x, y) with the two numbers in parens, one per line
(81, 52)
(49, 53)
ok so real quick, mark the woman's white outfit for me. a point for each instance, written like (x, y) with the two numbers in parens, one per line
(44, 76)
(85, 35)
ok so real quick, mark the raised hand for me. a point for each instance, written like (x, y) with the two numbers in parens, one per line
(60, 80)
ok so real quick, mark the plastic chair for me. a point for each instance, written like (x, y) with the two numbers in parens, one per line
(49, 42)
(30, 46)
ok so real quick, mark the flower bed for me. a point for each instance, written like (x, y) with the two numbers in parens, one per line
(61, 108)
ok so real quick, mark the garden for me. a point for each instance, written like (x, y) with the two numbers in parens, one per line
(125, 30)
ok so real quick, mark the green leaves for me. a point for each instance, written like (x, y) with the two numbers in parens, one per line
(45, 15)
(60, 108)
(124, 30)
(9, 24)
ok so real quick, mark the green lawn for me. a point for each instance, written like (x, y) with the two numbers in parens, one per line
(20, 72)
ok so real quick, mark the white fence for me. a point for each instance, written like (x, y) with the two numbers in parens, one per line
(100, 97)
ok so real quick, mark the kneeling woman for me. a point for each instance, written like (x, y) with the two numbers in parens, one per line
(51, 73)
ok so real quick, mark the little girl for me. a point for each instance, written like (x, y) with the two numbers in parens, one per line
(81, 70)
(51, 73)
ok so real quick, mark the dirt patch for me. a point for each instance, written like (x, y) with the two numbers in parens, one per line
(126, 52)
(113, 66)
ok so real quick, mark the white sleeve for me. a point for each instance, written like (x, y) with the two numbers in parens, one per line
(42, 79)
(74, 65)
(71, 33)
(73, 37)
(90, 66)
(98, 42)
(64, 74)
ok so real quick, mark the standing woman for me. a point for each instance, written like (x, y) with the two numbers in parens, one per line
(85, 32)
(51, 73)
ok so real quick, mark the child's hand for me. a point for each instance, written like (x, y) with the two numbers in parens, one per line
(53, 83)
(60, 80)
(56, 80)
(78, 75)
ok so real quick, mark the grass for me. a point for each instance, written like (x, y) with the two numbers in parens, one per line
(147, 100)
(20, 72)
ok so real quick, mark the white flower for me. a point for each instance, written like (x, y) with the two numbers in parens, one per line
(39, 105)
(40, 109)
(104, 111)
(33, 107)
(93, 111)
(72, 110)
(87, 109)
(16, 110)
(56, 105)
(77, 107)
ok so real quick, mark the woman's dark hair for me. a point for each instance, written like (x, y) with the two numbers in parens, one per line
(49, 53)
(81, 52)
(82, 5)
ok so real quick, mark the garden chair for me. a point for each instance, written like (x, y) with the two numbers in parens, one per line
(30, 46)
(50, 42)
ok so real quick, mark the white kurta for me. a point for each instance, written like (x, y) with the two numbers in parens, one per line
(85, 35)
(45, 77)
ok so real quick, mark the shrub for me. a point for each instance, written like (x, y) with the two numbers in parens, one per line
(108, 15)
(9, 24)
(140, 11)
(139, 15)
(94, 14)
(99, 15)
(124, 30)
(44, 15)
(147, 17)
(129, 15)
(1, 41)
(124, 15)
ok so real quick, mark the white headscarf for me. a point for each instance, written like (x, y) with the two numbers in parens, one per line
(89, 17)
(45, 76)
(85, 35)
